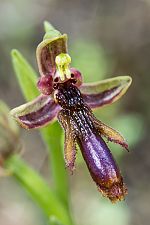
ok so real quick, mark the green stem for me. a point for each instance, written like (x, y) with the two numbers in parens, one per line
(51, 136)
(38, 189)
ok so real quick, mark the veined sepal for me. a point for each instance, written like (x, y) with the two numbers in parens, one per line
(53, 44)
(36, 113)
(106, 91)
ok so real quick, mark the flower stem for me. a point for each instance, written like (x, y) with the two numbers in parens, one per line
(51, 136)
(38, 189)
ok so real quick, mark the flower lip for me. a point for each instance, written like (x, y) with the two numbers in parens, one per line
(102, 167)
(83, 130)
(68, 95)
(116, 193)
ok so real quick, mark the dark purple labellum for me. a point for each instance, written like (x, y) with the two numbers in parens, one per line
(80, 127)
(102, 167)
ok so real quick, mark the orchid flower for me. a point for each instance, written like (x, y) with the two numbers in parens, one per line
(65, 97)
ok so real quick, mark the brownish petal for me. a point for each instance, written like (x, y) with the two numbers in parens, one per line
(110, 133)
(70, 140)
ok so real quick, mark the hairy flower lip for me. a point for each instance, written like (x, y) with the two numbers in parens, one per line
(81, 126)
(102, 167)
(115, 193)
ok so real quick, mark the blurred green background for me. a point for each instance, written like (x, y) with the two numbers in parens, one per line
(106, 38)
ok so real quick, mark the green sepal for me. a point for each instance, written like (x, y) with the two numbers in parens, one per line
(105, 92)
(50, 31)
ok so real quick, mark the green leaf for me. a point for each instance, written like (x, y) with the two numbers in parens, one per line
(52, 138)
(38, 189)
(25, 74)
(54, 221)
